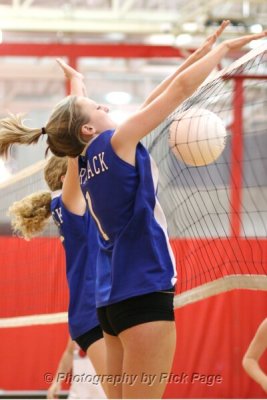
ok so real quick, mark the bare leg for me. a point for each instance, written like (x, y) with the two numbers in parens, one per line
(114, 364)
(97, 355)
(148, 353)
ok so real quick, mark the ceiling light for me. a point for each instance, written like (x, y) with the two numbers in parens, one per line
(118, 98)
(256, 28)
(183, 39)
(190, 27)
(115, 36)
(161, 39)
(256, 43)
(246, 8)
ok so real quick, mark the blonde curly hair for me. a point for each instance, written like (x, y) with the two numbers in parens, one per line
(30, 215)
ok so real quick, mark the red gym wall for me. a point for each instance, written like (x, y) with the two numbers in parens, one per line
(212, 335)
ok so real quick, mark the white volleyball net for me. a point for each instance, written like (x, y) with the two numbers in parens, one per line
(213, 182)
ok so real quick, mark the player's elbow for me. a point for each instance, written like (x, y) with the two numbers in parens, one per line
(244, 363)
(177, 93)
(184, 87)
(248, 363)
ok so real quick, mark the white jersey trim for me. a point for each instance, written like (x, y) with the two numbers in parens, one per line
(160, 217)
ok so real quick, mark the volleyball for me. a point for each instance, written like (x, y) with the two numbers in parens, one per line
(197, 137)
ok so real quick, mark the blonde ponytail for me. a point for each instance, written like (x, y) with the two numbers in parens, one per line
(30, 215)
(63, 130)
(12, 131)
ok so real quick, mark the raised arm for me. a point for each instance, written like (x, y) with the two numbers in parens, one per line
(255, 350)
(204, 49)
(72, 195)
(77, 86)
(130, 132)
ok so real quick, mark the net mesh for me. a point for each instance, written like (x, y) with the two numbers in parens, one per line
(216, 213)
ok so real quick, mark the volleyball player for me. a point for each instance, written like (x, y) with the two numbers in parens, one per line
(136, 271)
(253, 354)
(78, 233)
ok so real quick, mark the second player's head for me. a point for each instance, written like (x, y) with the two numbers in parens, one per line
(54, 172)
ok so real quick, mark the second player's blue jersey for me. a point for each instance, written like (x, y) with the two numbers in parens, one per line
(79, 237)
(135, 256)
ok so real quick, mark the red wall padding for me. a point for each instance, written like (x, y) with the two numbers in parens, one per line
(212, 335)
(202, 260)
(32, 277)
(28, 353)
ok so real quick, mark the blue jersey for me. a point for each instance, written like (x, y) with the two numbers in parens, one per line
(135, 256)
(79, 236)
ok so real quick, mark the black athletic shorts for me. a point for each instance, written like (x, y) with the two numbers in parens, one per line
(156, 306)
(89, 337)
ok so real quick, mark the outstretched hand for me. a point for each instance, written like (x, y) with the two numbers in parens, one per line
(69, 72)
(234, 44)
(209, 42)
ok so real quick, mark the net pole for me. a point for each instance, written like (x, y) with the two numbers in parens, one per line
(237, 155)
